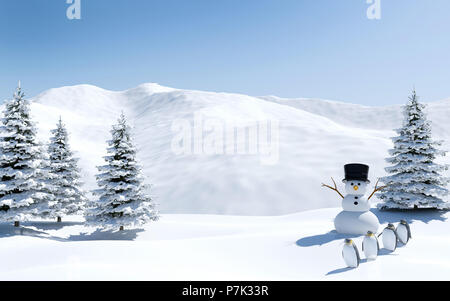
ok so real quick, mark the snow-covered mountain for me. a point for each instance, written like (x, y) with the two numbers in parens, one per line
(316, 138)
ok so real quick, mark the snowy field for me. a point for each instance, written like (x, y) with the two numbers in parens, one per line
(208, 247)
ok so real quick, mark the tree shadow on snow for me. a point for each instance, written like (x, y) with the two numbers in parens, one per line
(8, 230)
(321, 239)
(423, 215)
(52, 225)
(106, 235)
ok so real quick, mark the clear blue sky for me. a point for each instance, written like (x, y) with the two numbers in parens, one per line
(290, 48)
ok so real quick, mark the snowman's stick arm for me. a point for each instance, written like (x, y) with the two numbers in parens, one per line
(333, 188)
(376, 189)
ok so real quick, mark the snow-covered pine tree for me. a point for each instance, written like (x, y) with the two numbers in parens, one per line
(415, 181)
(43, 194)
(122, 201)
(64, 174)
(22, 189)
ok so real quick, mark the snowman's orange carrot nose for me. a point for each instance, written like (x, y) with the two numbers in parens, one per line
(355, 187)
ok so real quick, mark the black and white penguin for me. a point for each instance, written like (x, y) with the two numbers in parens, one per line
(390, 238)
(404, 232)
(350, 254)
(370, 246)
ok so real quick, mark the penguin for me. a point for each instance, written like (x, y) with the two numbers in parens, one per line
(390, 238)
(404, 232)
(350, 254)
(370, 246)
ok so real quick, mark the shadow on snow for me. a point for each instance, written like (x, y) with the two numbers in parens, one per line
(47, 225)
(385, 217)
(382, 252)
(321, 239)
(411, 216)
(106, 235)
(37, 229)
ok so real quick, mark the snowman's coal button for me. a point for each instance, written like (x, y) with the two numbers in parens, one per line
(356, 197)
(356, 203)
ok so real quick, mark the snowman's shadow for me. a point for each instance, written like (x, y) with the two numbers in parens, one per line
(322, 239)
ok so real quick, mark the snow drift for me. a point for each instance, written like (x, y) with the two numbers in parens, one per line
(316, 139)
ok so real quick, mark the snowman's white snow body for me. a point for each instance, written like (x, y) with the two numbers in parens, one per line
(356, 217)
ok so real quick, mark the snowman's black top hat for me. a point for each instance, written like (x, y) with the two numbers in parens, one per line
(356, 172)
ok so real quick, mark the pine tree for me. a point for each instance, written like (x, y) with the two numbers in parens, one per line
(415, 181)
(43, 193)
(65, 181)
(121, 201)
(22, 189)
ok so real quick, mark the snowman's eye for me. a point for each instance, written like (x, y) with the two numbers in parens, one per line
(351, 184)
(359, 184)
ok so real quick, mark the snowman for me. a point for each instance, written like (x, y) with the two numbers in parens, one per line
(356, 218)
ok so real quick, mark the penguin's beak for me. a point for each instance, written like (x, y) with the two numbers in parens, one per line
(355, 187)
